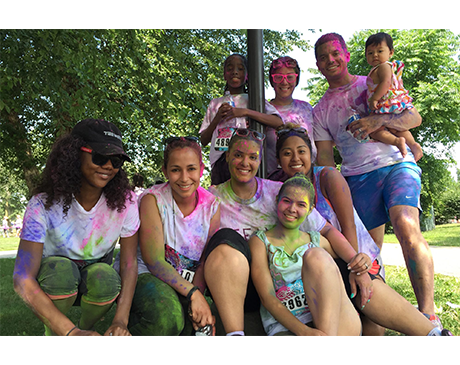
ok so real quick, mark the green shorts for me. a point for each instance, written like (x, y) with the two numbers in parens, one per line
(95, 283)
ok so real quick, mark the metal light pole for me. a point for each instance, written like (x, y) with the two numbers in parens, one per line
(256, 84)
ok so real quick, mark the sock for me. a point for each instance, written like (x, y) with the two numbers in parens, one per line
(235, 333)
(435, 332)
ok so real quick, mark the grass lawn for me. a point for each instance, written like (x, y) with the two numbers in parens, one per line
(16, 319)
(8, 244)
(443, 235)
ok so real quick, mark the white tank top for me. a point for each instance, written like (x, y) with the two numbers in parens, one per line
(186, 236)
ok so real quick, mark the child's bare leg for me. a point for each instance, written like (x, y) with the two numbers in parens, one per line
(332, 311)
(387, 137)
(410, 141)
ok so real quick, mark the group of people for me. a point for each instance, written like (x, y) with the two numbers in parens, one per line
(302, 246)
(14, 229)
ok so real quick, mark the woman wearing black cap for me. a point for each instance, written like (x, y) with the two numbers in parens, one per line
(80, 209)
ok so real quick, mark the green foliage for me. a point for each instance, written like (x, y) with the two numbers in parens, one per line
(151, 83)
(448, 203)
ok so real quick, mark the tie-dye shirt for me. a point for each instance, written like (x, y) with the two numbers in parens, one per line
(184, 237)
(247, 216)
(301, 113)
(81, 235)
(331, 115)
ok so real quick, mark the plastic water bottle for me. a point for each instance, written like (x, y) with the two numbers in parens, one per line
(229, 98)
(239, 122)
(354, 117)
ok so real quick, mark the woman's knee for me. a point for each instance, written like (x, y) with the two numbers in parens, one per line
(317, 260)
(58, 277)
(100, 284)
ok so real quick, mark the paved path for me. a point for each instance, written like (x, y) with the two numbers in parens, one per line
(446, 259)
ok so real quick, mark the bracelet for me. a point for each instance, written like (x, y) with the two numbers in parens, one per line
(68, 333)
(190, 293)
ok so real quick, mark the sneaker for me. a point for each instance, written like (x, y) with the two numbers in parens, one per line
(434, 319)
(445, 332)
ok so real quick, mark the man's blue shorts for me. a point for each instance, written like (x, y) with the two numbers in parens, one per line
(375, 192)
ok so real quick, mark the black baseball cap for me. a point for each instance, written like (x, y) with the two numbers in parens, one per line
(102, 136)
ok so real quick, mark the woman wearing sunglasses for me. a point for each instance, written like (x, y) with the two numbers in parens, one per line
(82, 206)
(284, 76)
(177, 219)
(248, 203)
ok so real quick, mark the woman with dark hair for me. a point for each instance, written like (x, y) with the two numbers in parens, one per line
(82, 206)
(284, 76)
(334, 203)
(247, 205)
(178, 218)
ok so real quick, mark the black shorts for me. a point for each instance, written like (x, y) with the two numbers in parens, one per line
(235, 240)
(342, 265)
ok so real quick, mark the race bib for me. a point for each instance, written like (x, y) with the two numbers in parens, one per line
(188, 275)
(223, 138)
(295, 303)
(293, 298)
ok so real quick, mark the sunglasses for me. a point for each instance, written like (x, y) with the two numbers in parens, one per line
(188, 138)
(299, 130)
(287, 62)
(278, 78)
(243, 132)
(100, 160)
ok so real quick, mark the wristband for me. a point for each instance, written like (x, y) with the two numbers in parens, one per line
(190, 293)
(68, 333)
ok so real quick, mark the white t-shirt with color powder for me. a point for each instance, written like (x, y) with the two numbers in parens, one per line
(81, 234)
(331, 115)
(301, 113)
(247, 216)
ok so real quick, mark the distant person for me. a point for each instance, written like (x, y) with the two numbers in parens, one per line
(138, 184)
(18, 225)
(5, 227)
(82, 207)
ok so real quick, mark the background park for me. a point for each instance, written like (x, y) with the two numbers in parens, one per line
(157, 83)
